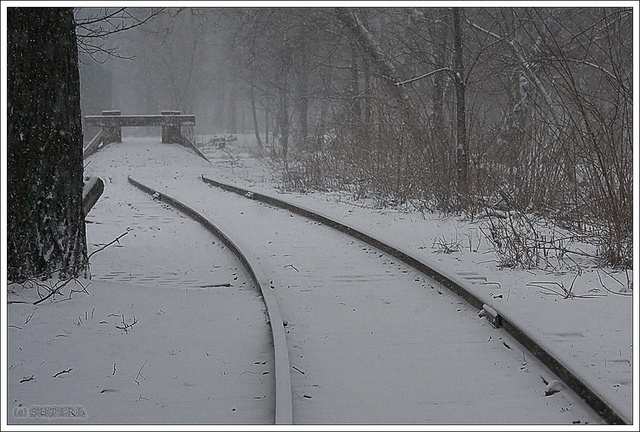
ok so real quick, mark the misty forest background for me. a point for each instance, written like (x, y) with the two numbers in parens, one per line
(519, 116)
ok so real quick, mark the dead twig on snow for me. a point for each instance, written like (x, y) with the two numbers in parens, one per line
(140, 373)
(25, 379)
(63, 372)
(126, 326)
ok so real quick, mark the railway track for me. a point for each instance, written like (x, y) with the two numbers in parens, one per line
(366, 333)
(283, 405)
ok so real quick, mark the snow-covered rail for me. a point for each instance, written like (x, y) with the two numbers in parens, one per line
(321, 313)
(283, 403)
(565, 374)
(369, 338)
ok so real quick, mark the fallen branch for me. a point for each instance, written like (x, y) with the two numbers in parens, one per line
(56, 288)
(49, 274)
(82, 290)
(140, 373)
(29, 317)
(54, 291)
(563, 291)
(63, 372)
(621, 293)
(116, 240)
(126, 326)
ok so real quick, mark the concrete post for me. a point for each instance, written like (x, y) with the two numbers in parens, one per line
(114, 132)
(171, 134)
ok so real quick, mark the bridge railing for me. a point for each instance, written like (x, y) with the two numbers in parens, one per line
(112, 122)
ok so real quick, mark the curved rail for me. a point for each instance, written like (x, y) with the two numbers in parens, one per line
(91, 193)
(284, 403)
(563, 372)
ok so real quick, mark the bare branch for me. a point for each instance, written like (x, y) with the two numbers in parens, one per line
(370, 44)
(521, 60)
(140, 372)
(126, 326)
(55, 288)
(63, 372)
(54, 291)
(25, 379)
(116, 240)
(106, 23)
(428, 74)
(621, 293)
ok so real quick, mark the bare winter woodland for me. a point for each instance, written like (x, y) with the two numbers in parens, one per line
(521, 116)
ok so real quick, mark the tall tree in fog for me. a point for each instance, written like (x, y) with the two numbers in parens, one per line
(374, 50)
(393, 61)
(173, 45)
(462, 159)
(273, 50)
(527, 109)
(45, 218)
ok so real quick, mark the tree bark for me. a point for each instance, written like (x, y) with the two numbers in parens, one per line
(303, 93)
(354, 88)
(283, 124)
(266, 124)
(461, 122)
(255, 115)
(232, 120)
(45, 217)
(440, 37)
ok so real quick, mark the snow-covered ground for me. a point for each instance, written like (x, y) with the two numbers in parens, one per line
(157, 336)
(66, 348)
(592, 331)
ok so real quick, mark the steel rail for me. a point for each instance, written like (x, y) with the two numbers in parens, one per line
(598, 404)
(283, 392)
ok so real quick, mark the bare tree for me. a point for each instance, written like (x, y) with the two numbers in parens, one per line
(461, 120)
(526, 109)
(94, 26)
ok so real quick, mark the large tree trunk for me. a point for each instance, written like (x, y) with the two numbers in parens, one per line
(45, 218)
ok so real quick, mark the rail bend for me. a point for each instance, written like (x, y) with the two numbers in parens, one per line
(584, 391)
(283, 393)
